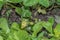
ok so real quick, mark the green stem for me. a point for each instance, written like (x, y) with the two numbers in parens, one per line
(11, 5)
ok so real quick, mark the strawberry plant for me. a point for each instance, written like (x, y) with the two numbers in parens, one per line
(29, 19)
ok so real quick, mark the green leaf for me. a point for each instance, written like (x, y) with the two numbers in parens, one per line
(23, 35)
(40, 36)
(36, 28)
(18, 10)
(51, 20)
(48, 25)
(44, 3)
(8, 13)
(10, 37)
(17, 34)
(1, 4)
(26, 13)
(23, 12)
(57, 30)
(58, 2)
(1, 0)
(53, 38)
(30, 2)
(15, 1)
(4, 25)
(1, 38)
(15, 26)
(34, 38)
